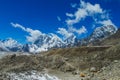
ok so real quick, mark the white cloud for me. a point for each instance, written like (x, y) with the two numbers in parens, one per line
(90, 7)
(65, 33)
(59, 19)
(106, 22)
(80, 14)
(85, 9)
(69, 15)
(33, 34)
(18, 25)
(105, 15)
(78, 31)
(93, 9)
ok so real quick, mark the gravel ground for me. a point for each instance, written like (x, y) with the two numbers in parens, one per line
(111, 72)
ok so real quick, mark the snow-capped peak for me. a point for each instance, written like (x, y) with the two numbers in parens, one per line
(102, 32)
(48, 41)
(45, 42)
(9, 44)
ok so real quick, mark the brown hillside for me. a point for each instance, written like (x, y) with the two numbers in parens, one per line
(66, 60)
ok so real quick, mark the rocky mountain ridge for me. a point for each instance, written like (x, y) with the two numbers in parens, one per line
(46, 42)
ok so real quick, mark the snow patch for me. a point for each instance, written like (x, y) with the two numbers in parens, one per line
(33, 75)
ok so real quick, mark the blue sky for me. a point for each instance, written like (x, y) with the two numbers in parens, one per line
(53, 16)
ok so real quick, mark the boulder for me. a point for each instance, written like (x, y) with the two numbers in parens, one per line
(93, 69)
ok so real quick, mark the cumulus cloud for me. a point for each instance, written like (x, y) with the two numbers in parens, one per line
(93, 9)
(106, 22)
(65, 33)
(78, 31)
(80, 14)
(33, 34)
(84, 10)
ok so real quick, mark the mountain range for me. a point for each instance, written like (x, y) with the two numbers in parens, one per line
(46, 42)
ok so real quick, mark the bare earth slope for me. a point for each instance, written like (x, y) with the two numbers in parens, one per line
(69, 60)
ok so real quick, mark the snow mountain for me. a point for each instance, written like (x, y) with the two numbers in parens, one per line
(99, 34)
(103, 32)
(47, 41)
(10, 45)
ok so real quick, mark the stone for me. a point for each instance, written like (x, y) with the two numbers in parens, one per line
(13, 56)
(75, 72)
(67, 68)
(82, 75)
(93, 69)
(116, 61)
(66, 59)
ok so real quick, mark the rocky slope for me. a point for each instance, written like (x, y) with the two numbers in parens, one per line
(83, 62)
(111, 72)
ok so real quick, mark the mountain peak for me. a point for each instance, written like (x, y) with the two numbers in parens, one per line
(102, 32)
(10, 44)
(48, 41)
